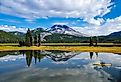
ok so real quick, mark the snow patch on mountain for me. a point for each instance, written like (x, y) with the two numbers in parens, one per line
(63, 29)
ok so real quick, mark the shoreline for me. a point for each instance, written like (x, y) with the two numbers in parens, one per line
(64, 48)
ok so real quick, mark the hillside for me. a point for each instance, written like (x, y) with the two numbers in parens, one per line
(64, 38)
(6, 37)
(19, 35)
(115, 34)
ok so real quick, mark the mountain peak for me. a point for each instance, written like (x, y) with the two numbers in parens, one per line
(60, 26)
(64, 29)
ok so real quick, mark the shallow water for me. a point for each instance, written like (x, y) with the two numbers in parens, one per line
(59, 66)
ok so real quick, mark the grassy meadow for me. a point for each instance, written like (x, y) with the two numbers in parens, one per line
(75, 47)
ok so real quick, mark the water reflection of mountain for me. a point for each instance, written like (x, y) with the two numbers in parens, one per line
(56, 56)
(61, 56)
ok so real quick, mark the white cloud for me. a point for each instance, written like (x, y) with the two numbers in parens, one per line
(32, 9)
(84, 9)
(97, 22)
(60, 23)
(111, 25)
(12, 28)
(11, 58)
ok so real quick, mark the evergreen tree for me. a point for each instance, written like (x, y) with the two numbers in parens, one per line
(35, 40)
(39, 40)
(96, 41)
(28, 40)
(31, 41)
(20, 43)
(91, 41)
(23, 43)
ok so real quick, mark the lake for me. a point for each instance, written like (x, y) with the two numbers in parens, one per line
(59, 66)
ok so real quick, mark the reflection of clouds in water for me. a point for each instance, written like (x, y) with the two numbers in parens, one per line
(110, 58)
(78, 68)
(83, 55)
(53, 75)
(115, 59)
(11, 58)
(61, 62)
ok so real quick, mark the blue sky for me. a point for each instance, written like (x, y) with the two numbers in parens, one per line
(94, 17)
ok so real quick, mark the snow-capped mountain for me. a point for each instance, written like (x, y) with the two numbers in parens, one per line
(63, 29)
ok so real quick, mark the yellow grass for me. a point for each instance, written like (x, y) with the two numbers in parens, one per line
(65, 48)
(8, 44)
(14, 44)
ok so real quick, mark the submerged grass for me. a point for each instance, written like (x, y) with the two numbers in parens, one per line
(64, 48)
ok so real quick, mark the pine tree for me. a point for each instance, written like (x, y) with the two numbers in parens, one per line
(31, 41)
(20, 44)
(28, 40)
(91, 42)
(35, 40)
(23, 43)
(96, 40)
(39, 40)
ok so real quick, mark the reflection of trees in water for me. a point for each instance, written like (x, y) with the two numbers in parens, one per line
(30, 54)
(92, 54)
(28, 57)
(38, 55)
(22, 52)
(54, 55)
(4, 53)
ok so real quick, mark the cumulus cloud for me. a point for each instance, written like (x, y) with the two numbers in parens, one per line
(97, 21)
(10, 58)
(111, 25)
(32, 9)
(12, 28)
(84, 9)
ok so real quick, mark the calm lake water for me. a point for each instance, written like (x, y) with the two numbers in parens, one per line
(59, 66)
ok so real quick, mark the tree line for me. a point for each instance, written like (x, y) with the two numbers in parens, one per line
(31, 40)
(36, 40)
(92, 41)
